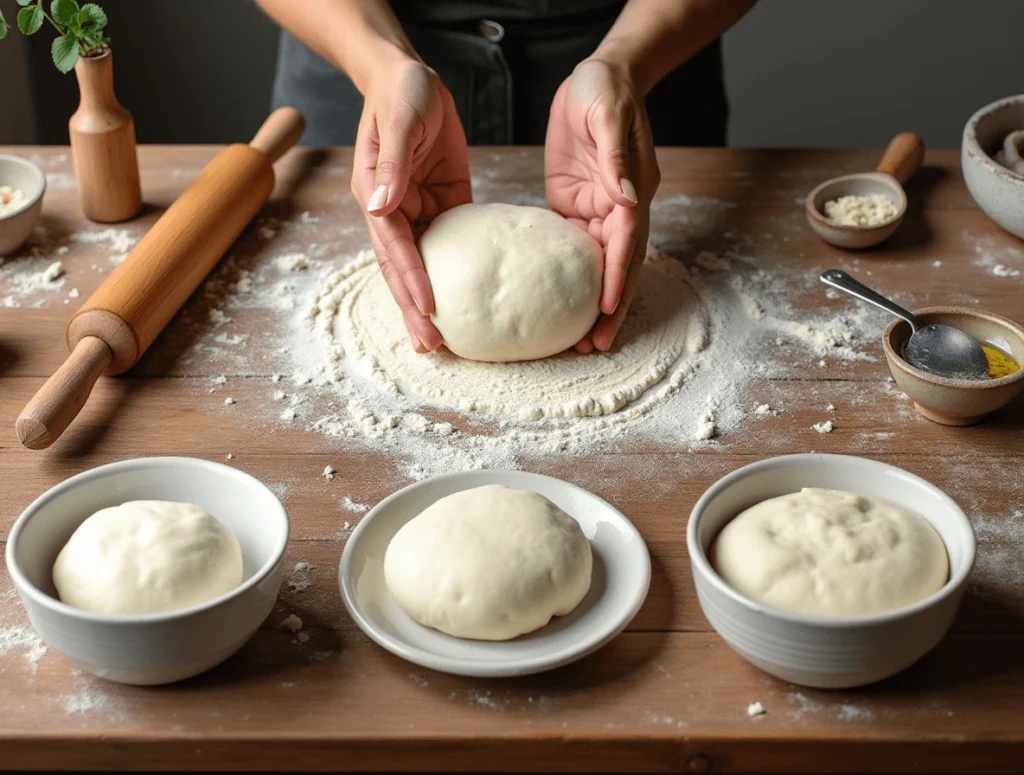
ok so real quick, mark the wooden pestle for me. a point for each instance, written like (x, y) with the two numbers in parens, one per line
(122, 318)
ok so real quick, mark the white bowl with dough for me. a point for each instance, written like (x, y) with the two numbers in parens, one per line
(619, 582)
(820, 651)
(151, 648)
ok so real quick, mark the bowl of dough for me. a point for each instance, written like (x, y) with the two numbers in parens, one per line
(992, 161)
(152, 570)
(829, 571)
(22, 185)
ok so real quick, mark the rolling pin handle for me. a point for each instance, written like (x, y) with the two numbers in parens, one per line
(903, 157)
(60, 400)
(279, 132)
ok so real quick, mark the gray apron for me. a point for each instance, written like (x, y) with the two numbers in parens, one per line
(503, 63)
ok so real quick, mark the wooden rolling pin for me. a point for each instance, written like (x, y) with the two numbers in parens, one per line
(115, 326)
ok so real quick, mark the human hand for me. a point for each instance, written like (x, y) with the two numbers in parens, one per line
(601, 174)
(410, 165)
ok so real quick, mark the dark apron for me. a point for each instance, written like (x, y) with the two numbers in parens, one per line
(503, 70)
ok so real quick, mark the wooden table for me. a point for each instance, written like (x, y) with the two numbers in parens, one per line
(666, 695)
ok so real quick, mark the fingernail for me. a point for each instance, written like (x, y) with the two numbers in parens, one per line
(379, 199)
(417, 345)
(628, 191)
(617, 302)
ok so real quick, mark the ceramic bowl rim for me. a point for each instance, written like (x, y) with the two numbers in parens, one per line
(702, 565)
(973, 147)
(820, 218)
(40, 186)
(58, 607)
(961, 384)
(454, 665)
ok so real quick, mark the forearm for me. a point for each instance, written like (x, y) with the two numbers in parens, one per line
(653, 37)
(357, 36)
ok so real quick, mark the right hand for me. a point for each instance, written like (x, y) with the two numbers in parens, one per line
(410, 165)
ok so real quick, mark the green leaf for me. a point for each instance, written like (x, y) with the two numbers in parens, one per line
(65, 52)
(26, 2)
(3, 26)
(30, 20)
(64, 12)
(92, 18)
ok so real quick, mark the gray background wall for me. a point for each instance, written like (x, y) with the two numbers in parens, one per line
(800, 73)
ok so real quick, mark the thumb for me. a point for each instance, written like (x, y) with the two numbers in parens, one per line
(611, 133)
(394, 160)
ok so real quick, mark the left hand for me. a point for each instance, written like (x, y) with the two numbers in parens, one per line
(601, 174)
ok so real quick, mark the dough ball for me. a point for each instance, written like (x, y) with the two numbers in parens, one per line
(511, 283)
(490, 563)
(147, 557)
(831, 553)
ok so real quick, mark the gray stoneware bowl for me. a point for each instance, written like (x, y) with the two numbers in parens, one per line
(997, 190)
(819, 651)
(17, 227)
(151, 648)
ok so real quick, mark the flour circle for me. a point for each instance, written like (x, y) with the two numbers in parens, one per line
(511, 282)
(146, 557)
(490, 563)
(666, 322)
(831, 553)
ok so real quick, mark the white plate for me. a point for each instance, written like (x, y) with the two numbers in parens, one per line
(621, 576)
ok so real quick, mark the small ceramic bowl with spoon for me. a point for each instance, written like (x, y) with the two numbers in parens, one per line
(956, 364)
(900, 162)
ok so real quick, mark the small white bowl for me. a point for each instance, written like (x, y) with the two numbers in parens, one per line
(151, 648)
(621, 576)
(16, 227)
(997, 190)
(819, 651)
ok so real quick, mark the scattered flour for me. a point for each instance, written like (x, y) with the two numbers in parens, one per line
(824, 427)
(292, 623)
(22, 638)
(329, 473)
(292, 262)
(705, 426)
(755, 709)
(1000, 261)
(350, 505)
(229, 401)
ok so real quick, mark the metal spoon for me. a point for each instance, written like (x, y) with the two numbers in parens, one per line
(941, 350)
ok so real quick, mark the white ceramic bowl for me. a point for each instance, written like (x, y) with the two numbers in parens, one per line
(821, 651)
(16, 227)
(621, 576)
(997, 190)
(151, 648)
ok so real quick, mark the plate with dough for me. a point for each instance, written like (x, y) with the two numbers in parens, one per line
(452, 574)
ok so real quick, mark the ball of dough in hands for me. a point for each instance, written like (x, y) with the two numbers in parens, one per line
(490, 563)
(146, 557)
(510, 282)
(831, 553)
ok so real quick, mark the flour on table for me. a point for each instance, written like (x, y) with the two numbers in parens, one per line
(755, 709)
(329, 473)
(824, 427)
(292, 623)
(350, 505)
(23, 639)
(292, 262)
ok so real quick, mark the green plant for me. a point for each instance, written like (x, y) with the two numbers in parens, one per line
(79, 29)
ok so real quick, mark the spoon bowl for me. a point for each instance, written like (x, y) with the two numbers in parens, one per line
(901, 160)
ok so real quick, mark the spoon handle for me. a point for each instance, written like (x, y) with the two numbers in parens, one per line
(839, 279)
(902, 159)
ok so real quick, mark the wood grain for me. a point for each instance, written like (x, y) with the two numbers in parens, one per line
(668, 694)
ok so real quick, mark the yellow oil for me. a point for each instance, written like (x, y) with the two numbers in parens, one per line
(1000, 364)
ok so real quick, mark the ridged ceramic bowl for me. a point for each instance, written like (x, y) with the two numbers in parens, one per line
(997, 190)
(151, 648)
(819, 651)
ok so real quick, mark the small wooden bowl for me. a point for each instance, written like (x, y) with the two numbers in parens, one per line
(957, 401)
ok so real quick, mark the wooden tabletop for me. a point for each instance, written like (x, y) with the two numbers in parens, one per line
(667, 694)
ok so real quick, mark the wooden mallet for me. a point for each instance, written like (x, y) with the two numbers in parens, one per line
(122, 318)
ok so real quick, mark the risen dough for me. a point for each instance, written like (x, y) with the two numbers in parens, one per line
(489, 563)
(511, 283)
(145, 557)
(831, 553)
